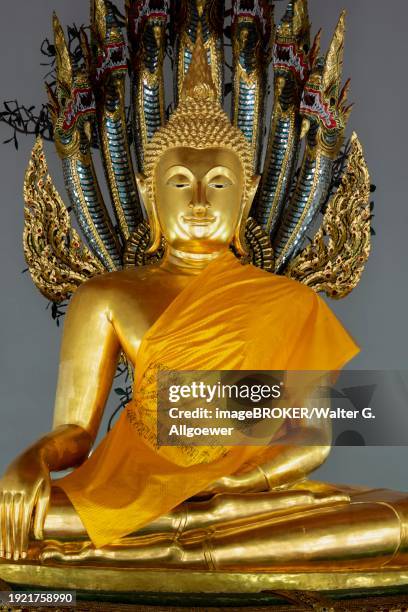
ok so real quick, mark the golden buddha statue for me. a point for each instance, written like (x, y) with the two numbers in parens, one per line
(192, 294)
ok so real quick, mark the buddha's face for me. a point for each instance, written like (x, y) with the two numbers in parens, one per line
(198, 197)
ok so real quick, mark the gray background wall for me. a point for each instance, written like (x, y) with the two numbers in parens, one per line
(375, 314)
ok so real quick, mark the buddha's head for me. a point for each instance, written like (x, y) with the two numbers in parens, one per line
(199, 183)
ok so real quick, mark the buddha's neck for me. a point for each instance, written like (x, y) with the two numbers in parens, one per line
(177, 262)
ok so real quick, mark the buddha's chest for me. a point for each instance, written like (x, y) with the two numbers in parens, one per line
(134, 313)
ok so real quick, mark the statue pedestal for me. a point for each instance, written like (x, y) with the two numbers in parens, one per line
(188, 581)
(181, 587)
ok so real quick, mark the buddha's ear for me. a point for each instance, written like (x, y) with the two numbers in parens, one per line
(252, 189)
(142, 186)
(149, 205)
(239, 237)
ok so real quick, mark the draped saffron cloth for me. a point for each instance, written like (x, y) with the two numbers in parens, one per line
(229, 317)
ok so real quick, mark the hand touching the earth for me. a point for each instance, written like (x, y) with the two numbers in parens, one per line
(24, 496)
(25, 488)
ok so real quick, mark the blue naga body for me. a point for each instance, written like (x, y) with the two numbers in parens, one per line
(252, 33)
(190, 16)
(87, 202)
(147, 23)
(291, 69)
(108, 67)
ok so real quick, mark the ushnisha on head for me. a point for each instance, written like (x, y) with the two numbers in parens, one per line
(199, 184)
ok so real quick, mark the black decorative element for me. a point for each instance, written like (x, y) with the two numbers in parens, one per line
(74, 47)
(58, 310)
(31, 120)
(26, 120)
(124, 392)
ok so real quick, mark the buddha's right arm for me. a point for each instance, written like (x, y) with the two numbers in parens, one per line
(89, 355)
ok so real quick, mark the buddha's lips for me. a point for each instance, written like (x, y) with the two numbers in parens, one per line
(198, 220)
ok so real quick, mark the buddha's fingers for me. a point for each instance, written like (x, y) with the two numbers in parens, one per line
(41, 506)
(27, 510)
(16, 520)
(69, 552)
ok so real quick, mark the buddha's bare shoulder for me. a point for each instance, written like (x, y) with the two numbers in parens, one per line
(134, 281)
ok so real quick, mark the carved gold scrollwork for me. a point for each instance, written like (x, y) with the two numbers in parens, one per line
(259, 246)
(56, 257)
(334, 261)
(136, 246)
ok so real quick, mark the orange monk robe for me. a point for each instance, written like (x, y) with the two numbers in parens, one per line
(229, 317)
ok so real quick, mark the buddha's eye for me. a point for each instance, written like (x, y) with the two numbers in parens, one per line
(219, 182)
(179, 182)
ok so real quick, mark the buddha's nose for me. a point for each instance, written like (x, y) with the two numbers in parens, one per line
(199, 209)
(199, 203)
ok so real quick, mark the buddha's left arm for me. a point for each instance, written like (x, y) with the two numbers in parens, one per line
(301, 450)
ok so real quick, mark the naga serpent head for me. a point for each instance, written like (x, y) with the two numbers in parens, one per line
(323, 107)
(146, 22)
(71, 104)
(252, 24)
(108, 46)
(291, 50)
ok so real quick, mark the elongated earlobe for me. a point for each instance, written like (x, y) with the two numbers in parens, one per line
(142, 186)
(239, 237)
(146, 194)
